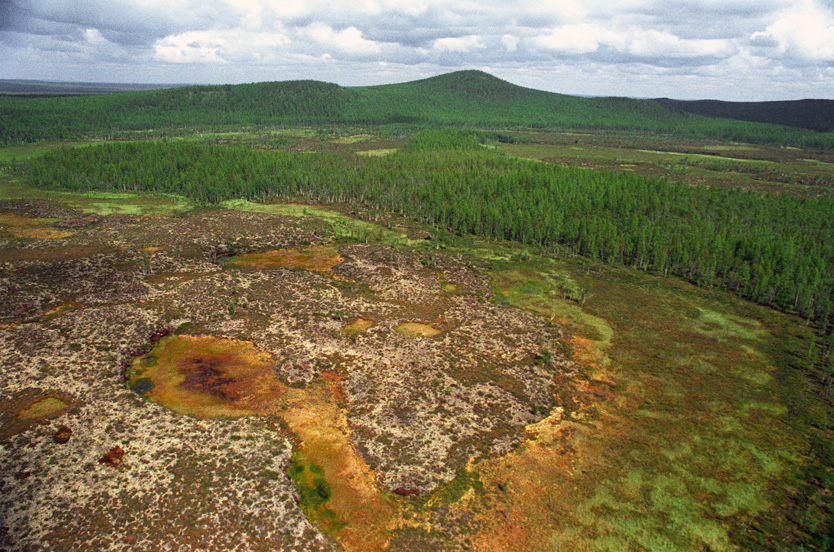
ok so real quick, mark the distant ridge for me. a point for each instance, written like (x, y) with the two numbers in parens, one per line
(471, 99)
(810, 114)
(58, 88)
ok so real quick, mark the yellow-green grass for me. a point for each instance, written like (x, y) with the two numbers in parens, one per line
(417, 329)
(28, 151)
(344, 226)
(43, 408)
(377, 152)
(102, 203)
(357, 325)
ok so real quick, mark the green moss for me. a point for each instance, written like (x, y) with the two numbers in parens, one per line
(102, 203)
(313, 489)
(724, 325)
(454, 490)
(143, 386)
(344, 227)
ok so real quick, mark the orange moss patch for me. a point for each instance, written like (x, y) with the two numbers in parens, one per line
(417, 329)
(25, 227)
(207, 377)
(358, 325)
(352, 508)
(319, 258)
(533, 487)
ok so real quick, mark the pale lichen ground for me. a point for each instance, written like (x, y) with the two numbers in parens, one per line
(75, 308)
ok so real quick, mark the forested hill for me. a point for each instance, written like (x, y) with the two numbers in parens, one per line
(479, 99)
(177, 109)
(811, 114)
(464, 98)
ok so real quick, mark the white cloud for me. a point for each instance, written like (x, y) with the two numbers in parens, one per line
(646, 43)
(653, 43)
(755, 46)
(806, 30)
(349, 40)
(289, 8)
(577, 39)
(510, 42)
(458, 44)
(190, 47)
(217, 46)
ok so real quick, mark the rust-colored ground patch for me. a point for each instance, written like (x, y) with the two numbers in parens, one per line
(207, 377)
(417, 329)
(30, 408)
(25, 227)
(339, 490)
(318, 258)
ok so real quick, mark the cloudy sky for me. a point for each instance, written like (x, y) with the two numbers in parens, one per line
(724, 49)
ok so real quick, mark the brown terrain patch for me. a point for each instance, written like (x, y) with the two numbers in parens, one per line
(29, 408)
(211, 377)
(24, 227)
(78, 222)
(317, 258)
(373, 413)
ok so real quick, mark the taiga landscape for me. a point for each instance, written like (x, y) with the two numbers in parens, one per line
(448, 314)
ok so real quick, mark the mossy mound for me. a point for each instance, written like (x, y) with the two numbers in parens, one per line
(417, 329)
(207, 377)
(358, 325)
(317, 258)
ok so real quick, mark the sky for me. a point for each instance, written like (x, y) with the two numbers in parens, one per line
(683, 49)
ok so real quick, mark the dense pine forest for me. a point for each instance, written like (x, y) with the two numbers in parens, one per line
(811, 114)
(772, 249)
(468, 98)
